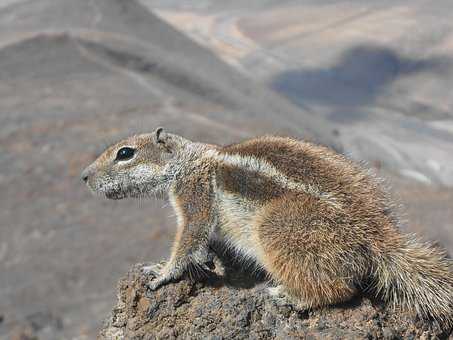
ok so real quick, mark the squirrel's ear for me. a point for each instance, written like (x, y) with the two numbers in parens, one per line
(159, 135)
(169, 141)
(164, 139)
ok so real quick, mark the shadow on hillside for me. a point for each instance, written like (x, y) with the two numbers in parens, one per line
(362, 73)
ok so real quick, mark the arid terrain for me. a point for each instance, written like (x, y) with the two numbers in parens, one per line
(229, 304)
(371, 79)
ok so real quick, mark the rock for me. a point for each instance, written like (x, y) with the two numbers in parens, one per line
(235, 306)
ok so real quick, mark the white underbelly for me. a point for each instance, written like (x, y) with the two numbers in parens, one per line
(236, 229)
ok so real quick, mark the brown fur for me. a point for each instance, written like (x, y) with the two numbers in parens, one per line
(316, 222)
(315, 263)
(249, 184)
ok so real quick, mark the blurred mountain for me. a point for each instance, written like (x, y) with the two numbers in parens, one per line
(48, 41)
(380, 72)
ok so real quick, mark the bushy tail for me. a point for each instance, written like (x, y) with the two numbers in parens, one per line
(418, 277)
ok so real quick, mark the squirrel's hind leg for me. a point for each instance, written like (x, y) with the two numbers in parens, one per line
(305, 252)
(282, 298)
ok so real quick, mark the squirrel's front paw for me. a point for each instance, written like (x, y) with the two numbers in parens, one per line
(162, 273)
(158, 282)
(154, 269)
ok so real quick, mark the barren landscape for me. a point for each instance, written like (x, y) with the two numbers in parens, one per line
(372, 80)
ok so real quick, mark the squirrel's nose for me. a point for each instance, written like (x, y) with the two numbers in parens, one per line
(85, 174)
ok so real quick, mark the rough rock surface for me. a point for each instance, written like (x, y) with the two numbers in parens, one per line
(233, 306)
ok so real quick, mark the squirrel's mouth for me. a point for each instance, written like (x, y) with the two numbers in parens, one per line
(111, 191)
(115, 194)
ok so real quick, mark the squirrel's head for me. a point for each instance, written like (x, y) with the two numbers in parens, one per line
(135, 167)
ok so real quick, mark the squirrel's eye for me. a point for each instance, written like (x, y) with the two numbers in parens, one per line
(125, 154)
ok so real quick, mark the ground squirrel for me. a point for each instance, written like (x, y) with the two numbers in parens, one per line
(317, 223)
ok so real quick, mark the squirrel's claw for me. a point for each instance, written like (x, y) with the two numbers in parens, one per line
(158, 282)
(161, 275)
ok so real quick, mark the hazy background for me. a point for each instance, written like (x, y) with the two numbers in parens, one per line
(371, 79)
